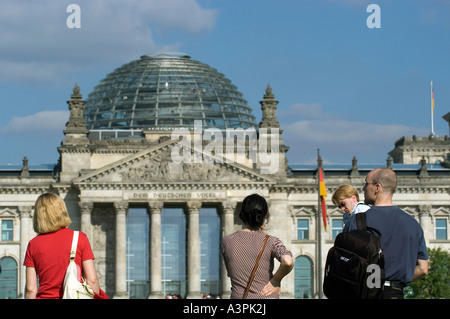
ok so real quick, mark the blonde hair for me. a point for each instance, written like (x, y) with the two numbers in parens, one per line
(344, 191)
(50, 214)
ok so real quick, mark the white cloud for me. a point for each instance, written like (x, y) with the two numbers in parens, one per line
(35, 32)
(339, 138)
(187, 15)
(44, 122)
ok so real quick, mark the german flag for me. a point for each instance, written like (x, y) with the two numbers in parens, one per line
(323, 195)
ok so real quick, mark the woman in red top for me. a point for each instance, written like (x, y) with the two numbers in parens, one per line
(47, 255)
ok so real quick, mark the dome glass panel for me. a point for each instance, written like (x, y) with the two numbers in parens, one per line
(166, 91)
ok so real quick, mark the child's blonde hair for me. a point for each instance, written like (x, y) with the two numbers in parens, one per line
(344, 191)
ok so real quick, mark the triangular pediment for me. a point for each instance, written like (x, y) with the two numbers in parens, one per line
(8, 213)
(156, 165)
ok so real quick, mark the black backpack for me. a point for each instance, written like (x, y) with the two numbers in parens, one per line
(354, 268)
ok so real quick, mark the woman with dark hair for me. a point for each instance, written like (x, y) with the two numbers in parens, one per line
(241, 250)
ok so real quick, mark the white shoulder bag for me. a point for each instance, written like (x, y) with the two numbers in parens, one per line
(73, 288)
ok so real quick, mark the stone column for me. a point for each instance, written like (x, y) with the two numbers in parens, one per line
(426, 222)
(25, 231)
(228, 208)
(121, 209)
(193, 250)
(155, 250)
(85, 212)
(228, 217)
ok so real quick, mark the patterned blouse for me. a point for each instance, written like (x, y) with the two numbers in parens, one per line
(240, 251)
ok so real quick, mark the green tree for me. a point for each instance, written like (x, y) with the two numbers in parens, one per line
(436, 284)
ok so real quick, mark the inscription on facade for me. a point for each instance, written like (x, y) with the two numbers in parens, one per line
(170, 195)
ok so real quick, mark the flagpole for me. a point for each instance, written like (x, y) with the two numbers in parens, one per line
(432, 109)
(319, 228)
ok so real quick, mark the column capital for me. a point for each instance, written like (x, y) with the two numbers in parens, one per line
(86, 207)
(194, 206)
(424, 210)
(121, 207)
(155, 207)
(228, 207)
(25, 211)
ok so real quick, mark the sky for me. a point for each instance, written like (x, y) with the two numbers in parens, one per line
(343, 86)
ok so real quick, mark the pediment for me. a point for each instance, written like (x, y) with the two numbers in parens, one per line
(8, 213)
(155, 164)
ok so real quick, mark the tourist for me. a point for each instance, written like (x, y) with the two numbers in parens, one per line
(47, 255)
(241, 248)
(347, 199)
(402, 240)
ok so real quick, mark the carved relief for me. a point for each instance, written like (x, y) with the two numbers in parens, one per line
(161, 168)
(157, 166)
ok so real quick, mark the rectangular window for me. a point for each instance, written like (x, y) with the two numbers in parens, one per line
(210, 251)
(7, 230)
(441, 228)
(138, 239)
(302, 229)
(336, 227)
(173, 251)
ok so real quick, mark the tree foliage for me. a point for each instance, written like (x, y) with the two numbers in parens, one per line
(436, 284)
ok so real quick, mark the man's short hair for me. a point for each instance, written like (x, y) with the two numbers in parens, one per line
(387, 178)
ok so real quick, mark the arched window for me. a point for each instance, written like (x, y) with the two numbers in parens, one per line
(303, 278)
(8, 278)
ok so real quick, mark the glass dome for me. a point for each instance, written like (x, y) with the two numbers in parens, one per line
(165, 91)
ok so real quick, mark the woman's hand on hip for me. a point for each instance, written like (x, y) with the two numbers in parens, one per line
(272, 287)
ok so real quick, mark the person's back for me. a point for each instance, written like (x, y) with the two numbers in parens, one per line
(240, 250)
(402, 241)
(49, 255)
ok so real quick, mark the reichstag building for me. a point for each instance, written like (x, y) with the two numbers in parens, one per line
(155, 225)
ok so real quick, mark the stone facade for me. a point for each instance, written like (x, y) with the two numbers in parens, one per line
(100, 179)
(412, 150)
(431, 149)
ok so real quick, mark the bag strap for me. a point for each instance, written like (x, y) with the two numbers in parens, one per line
(361, 223)
(255, 267)
(73, 250)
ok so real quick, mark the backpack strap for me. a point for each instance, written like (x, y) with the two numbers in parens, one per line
(361, 221)
(73, 250)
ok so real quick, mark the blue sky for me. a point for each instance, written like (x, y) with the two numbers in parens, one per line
(342, 87)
